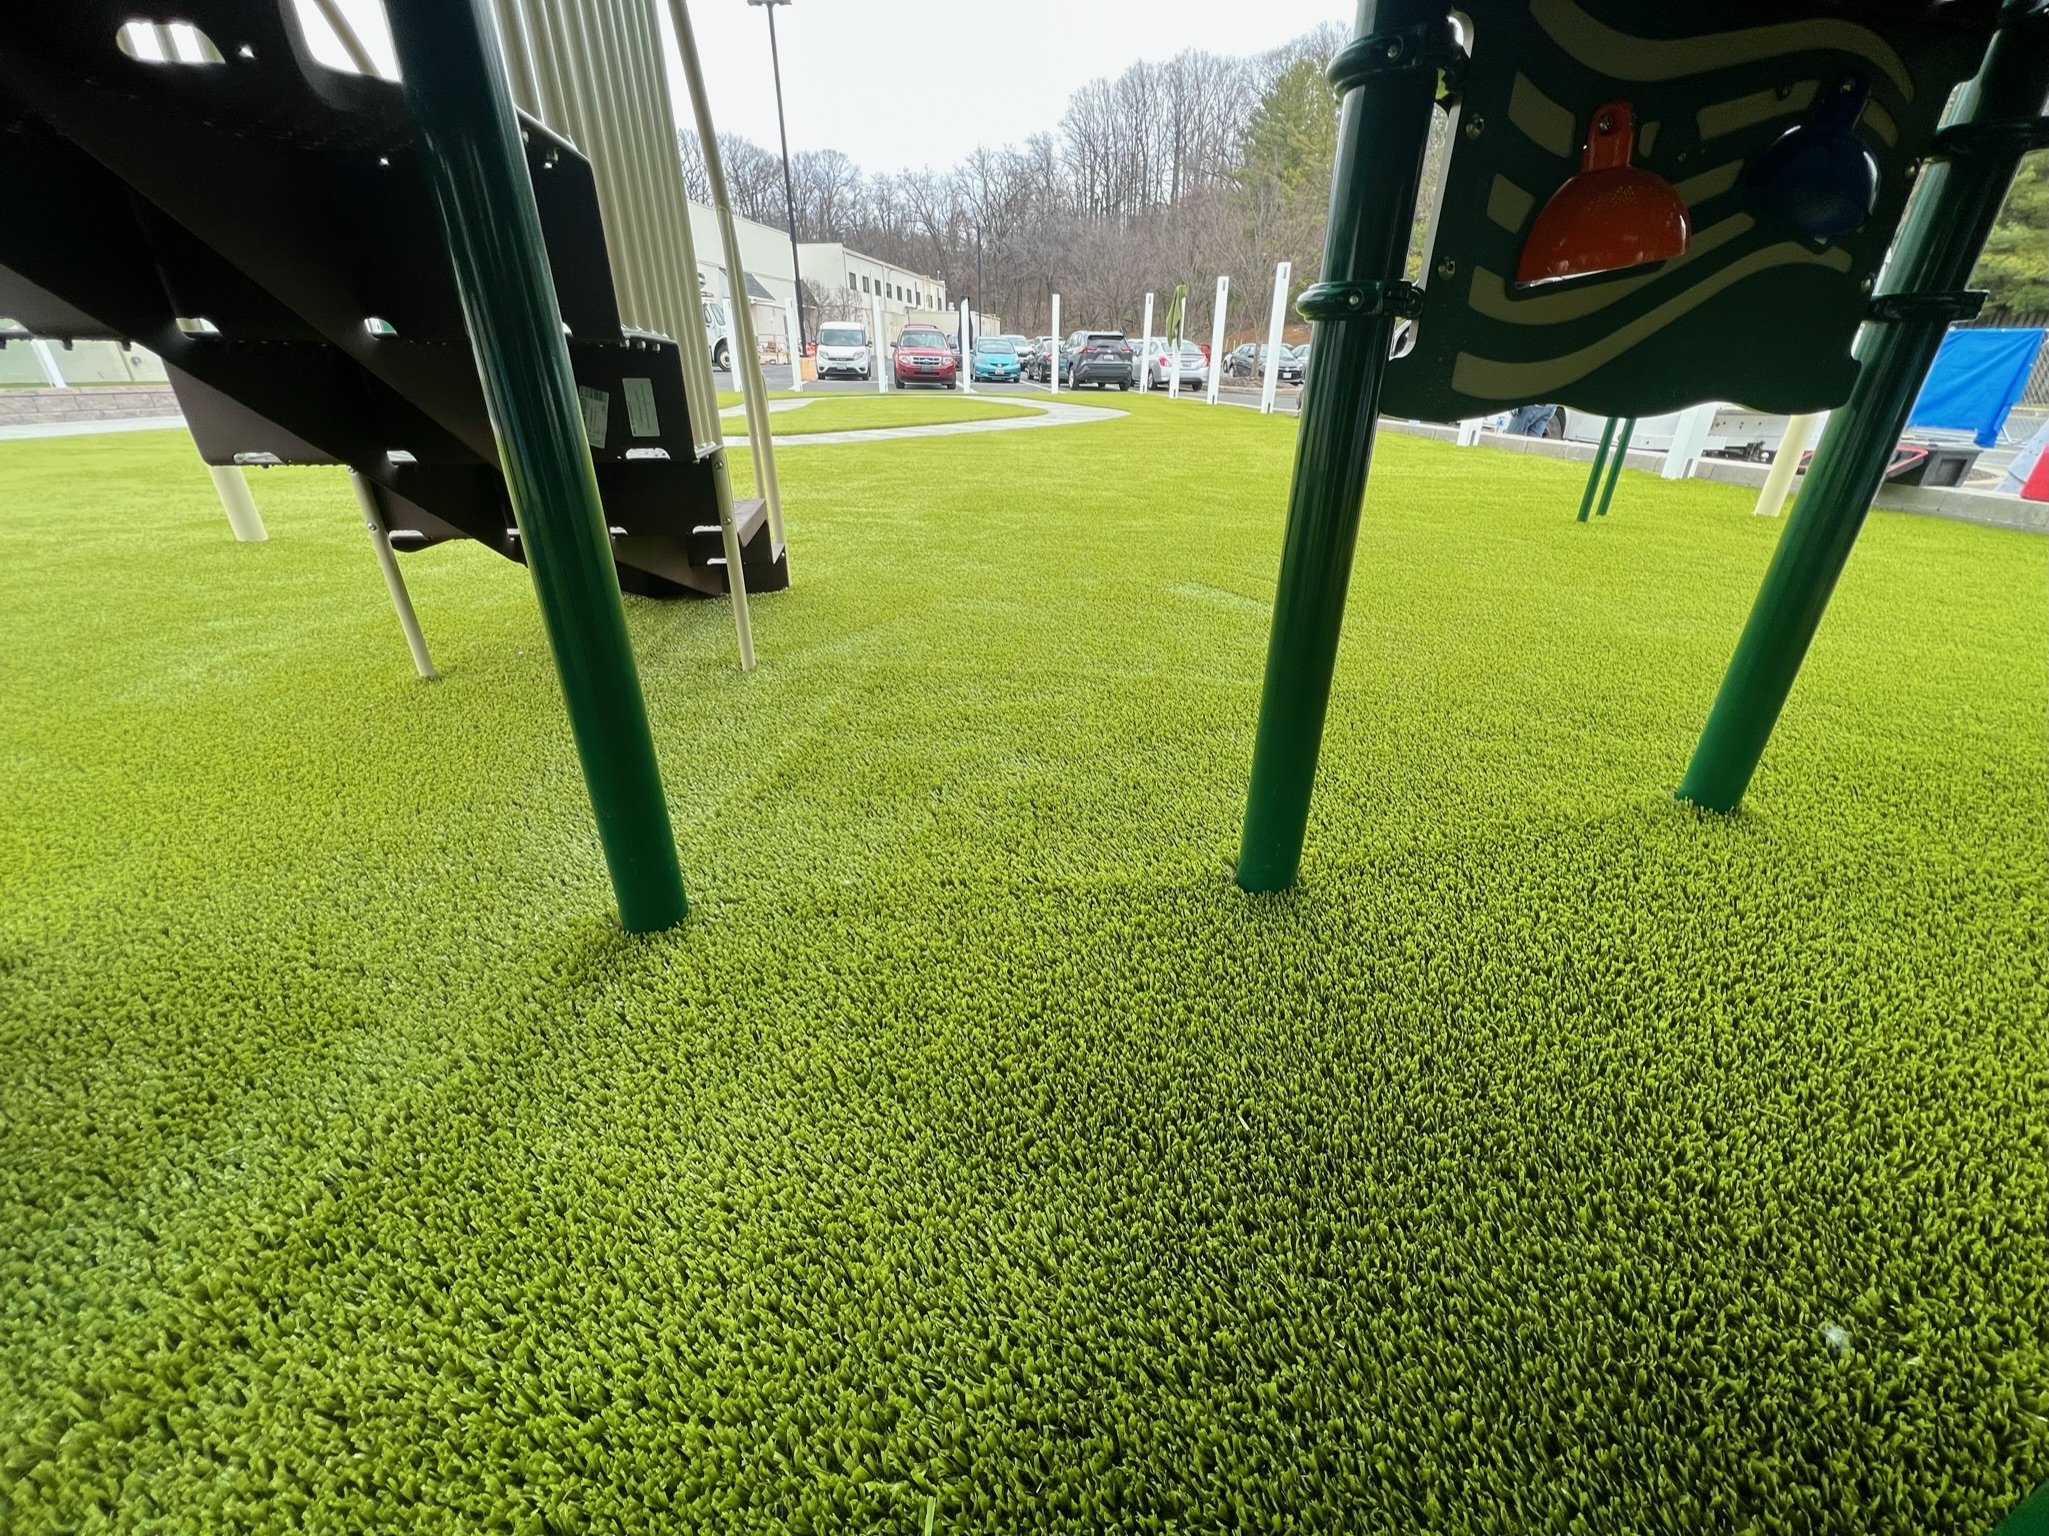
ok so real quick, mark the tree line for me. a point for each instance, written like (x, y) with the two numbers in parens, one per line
(1170, 173)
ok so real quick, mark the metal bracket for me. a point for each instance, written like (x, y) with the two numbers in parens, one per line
(1398, 50)
(1359, 301)
(2017, 136)
(1964, 304)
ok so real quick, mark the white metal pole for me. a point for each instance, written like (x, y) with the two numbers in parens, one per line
(736, 587)
(46, 359)
(231, 484)
(1689, 437)
(760, 440)
(1778, 484)
(741, 318)
(791, 343)
(331, 13)
(1273, 338)
(1145, 360)
(1053, 362)
(1469, 431)
(394, 583)
(967, 352)
(1174, 350)
(878, 354)
(1216, 338)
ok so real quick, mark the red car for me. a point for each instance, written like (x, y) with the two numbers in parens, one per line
(923, 357)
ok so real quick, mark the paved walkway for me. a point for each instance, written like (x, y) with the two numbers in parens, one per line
(1051, 413)
(16, 432)
(773, 406)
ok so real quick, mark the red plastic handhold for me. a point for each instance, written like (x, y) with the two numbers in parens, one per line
(2036, 486)
(1610, 214)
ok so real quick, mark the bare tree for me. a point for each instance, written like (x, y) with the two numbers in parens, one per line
(1143, 185)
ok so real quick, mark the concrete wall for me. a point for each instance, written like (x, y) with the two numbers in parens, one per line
(110, 402)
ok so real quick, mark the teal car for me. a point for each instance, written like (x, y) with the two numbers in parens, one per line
(995, 361)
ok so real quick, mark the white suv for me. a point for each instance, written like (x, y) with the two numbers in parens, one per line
(843, 352)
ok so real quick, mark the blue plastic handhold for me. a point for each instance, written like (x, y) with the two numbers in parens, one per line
(1818, 176)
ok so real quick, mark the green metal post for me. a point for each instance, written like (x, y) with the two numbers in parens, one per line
(1953, 210)
(1586, 500)
(2030, 1517)
(1615, 465)
(1389, 76)
(470, 148)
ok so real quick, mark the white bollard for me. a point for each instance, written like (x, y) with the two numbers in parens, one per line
(967, 352)
(1145, 356)
(792, 345)
(1173, 345)
(879, 353)
(1778, 484)
(1689, 437)
(1273, 338)
(1216, 339)
(231, 484)
(1053, 362)
(1469, 432)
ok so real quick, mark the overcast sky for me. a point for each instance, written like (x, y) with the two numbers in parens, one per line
(882, 80)
(903, 84)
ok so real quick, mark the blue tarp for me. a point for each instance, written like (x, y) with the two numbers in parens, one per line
(1978, 377)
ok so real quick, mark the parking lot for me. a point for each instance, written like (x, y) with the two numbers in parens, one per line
(1287, 398)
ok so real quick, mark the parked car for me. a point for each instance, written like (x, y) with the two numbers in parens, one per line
(1159, 367)
(1101, 358)
(1040, 364)
(1248, 361)
(924, 357)
(843, 352)
(994, 361)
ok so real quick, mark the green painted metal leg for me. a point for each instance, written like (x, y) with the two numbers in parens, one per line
(469, 146)
(2030, 1517)
(1586, 500)
(1615, 465)
(1389, 79)
(1938, 244)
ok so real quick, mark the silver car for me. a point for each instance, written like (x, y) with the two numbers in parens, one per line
(1159, 366)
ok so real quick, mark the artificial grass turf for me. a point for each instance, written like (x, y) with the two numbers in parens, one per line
(854, 413)
(1555, 1159)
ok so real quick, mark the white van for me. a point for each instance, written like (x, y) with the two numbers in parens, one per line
(843, 352)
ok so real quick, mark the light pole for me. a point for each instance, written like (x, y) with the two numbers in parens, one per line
(789, 191)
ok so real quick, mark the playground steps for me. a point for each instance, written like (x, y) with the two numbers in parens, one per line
(264, 225)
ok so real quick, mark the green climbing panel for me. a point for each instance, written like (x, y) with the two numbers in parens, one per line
(1753, 311)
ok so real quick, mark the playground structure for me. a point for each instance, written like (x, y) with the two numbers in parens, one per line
(497, 332)
(1643, 210)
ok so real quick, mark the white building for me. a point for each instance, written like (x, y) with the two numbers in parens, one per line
(764, 252)
(850, 283)
(845, 282)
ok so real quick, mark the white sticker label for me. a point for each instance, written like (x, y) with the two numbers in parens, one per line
(597, 409)
(641, 419)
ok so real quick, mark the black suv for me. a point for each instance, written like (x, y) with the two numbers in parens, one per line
(1101, 358)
